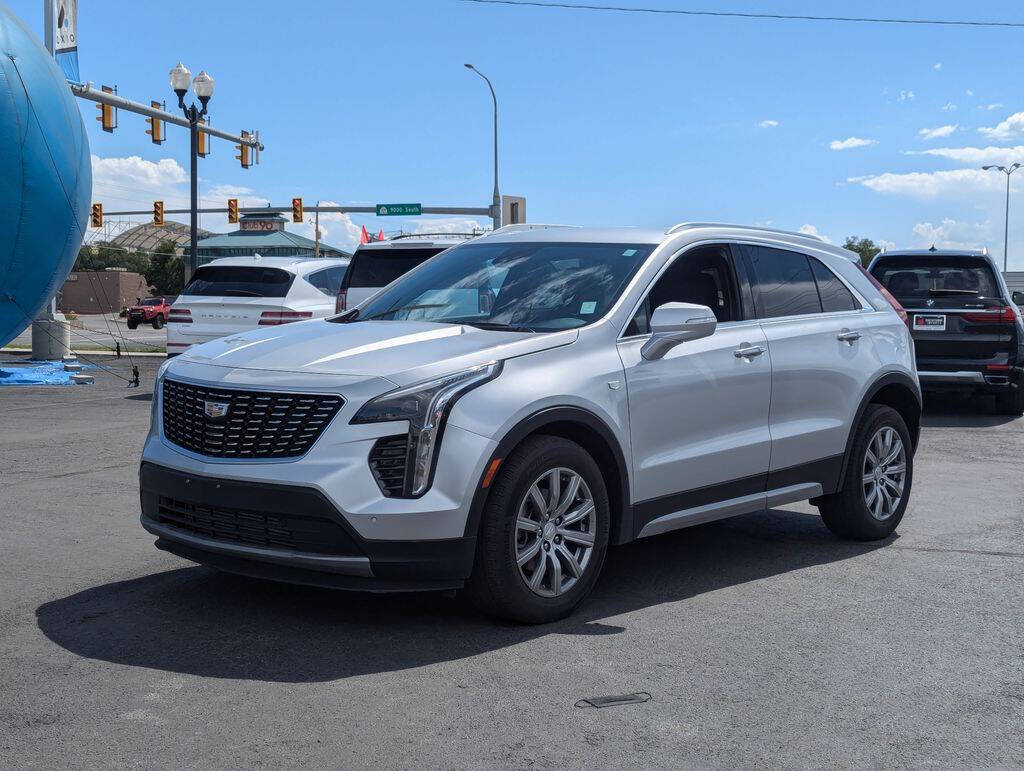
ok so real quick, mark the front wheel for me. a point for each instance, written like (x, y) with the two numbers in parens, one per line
(543, 535)
(879, 473)
(133, 324)
(158, 322)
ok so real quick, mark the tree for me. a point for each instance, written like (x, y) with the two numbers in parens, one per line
(101, 255)
(865, 247)
(166, 271)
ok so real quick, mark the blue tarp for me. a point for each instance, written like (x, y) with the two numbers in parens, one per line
(38, 373)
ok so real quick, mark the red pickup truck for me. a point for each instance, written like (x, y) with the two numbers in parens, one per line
(152, 310)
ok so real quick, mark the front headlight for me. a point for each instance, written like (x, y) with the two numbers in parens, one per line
(426, 406)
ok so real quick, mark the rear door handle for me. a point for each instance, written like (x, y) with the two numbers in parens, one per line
(848, 335)
(748, 351)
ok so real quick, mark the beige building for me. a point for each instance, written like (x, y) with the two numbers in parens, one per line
(103, 291)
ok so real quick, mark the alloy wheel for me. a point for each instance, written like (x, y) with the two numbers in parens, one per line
(885, 472)
(556, 525)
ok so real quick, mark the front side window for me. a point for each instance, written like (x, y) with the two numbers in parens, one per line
(531, 286)
(784, 284)
(704, 277)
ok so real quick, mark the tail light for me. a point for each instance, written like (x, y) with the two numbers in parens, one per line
(341, 303)
(179, 316)
(896, 306)
(992, 316)
(274, 318)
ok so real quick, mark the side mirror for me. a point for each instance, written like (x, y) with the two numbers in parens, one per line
(675, 323)
(1018, 298)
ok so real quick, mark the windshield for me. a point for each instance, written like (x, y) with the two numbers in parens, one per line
(153, 301)
(537, 287)
(938, 282)
(239, 281)
(375, 268)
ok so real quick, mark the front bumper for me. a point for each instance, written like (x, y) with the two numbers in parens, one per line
(288, 533)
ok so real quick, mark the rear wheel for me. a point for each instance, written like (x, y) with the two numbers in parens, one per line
(879, 473)
(543, 535)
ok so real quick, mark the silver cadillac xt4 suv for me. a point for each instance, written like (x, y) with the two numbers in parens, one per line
(498, 417)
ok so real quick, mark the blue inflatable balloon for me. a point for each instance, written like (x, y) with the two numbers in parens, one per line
(45, 177)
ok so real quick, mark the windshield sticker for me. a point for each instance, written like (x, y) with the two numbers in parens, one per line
(587, 308)
(629, 253)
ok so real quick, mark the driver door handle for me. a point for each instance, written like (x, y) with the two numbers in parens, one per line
(748, 351)
(848, 335)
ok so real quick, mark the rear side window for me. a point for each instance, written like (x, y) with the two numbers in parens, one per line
(784, 283)
(833, 292)
(239, 281)
(328, 280)
(379, 267)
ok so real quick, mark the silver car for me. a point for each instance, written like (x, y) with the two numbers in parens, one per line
(499, 416)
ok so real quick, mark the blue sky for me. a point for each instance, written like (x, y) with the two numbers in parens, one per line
(606, 118)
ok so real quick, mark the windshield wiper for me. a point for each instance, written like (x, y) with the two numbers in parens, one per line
(952, 292)
(491, 325)
(407, 308)
(241, 293)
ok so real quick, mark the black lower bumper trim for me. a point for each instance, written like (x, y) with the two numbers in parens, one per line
(394, 565)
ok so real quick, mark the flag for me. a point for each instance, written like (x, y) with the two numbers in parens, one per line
(381, 236)
(364, 237)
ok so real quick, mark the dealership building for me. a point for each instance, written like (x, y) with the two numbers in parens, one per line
(262, 234)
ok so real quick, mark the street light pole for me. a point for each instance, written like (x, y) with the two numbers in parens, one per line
(496, 202)
(203, 87)
(1008, 171)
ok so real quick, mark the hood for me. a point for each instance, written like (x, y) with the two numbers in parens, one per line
(401, 351)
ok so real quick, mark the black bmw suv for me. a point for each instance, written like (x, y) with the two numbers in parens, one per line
(967, 330)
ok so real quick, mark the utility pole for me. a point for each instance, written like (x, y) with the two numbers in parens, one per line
(496, 203)
(1008, 171)
(316, 226)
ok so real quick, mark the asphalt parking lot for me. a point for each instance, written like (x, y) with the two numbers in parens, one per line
(762, 639)
(104, 330)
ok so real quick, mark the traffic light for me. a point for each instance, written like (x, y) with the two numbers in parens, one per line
(156, 126)
(96, 218)
(296, 210)
(203, 141)
(232, 210)
(244, 152)
(158, 213)
(108, 115)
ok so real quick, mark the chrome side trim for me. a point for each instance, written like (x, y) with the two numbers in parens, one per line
(952, 377)
(746, 504)
(347, 566)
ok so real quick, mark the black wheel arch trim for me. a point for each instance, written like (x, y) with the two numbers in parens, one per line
(891, 378)
(622, 526)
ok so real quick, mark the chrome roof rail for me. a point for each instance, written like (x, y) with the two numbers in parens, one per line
(688, 225)
(521, 226)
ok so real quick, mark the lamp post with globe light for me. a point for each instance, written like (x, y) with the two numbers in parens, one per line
(180, 78)
(1007, 170)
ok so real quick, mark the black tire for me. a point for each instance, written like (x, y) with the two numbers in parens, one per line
(132, 324)
(158, 322)
(846, 512)
(497, 586)
(1011, 402)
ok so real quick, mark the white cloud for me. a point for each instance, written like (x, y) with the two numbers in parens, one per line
(949, 107)
(133, 171)
(1011, 128)
(976, 156)
(812, 230)
(850, 142)
(906, 96)
(218, 195)
(956, 183)
(336, 229)
(937, 133)
(937, 66)
(954, 234)
(450, 225)
(990, 107)
(768, 123)
(969, 92)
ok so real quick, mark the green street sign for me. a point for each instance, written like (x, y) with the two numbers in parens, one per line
(399, 210)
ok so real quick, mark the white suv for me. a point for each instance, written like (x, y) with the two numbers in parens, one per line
(237, 294)
(500, 415)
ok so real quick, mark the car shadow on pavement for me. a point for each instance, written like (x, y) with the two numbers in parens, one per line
(198, 621)
(961, 411)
